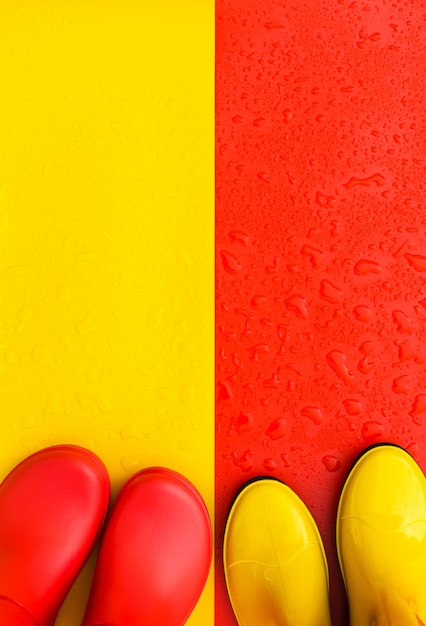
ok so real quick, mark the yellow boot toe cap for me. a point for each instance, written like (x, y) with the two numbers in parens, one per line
(275, 566)
(381, 539)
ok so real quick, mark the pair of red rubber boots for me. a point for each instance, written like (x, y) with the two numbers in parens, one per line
(154, 554)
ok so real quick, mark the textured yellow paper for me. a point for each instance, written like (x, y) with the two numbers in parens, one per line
(106, 239)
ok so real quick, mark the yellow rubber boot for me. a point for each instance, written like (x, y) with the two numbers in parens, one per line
(275, 565)
(381, 539)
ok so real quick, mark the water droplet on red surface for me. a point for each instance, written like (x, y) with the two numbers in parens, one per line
(257, 301)
(418, 408)
(331, 463)
(224, 392)
(270, 465)
(330, 292)
(263, 176)
(352, 406)
(277, 429)
(401, 384)
(364, 267)
(315, 255)
(259, 348)
(376, 179)
(245, 422)
(239, 236)
(363, 313)
(403, 322)
(243, 461)
(297, 304)
(416, 261)
(412, 448)
(337, 362)
(313, 413)
(371, 431)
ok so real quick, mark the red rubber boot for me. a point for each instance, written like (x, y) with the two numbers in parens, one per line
(52, 508)
(154, 556)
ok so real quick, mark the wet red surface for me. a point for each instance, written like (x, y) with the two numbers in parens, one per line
(321, 247)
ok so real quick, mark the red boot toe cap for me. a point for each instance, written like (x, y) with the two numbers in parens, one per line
(52, 507)
(155, 554)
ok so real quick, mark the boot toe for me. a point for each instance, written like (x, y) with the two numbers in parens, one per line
(275, 565)
(381, 538)
(154, 556)
(52, 507)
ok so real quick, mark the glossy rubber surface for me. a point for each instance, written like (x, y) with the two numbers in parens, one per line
(275, 566)
(381, 539)
(154, 556)
(52, 507)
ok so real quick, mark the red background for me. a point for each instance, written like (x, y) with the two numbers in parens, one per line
(321, 247)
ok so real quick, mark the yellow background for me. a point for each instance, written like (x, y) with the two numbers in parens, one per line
(106, 239)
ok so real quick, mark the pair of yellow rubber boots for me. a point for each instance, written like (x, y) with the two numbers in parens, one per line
(275, 564)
